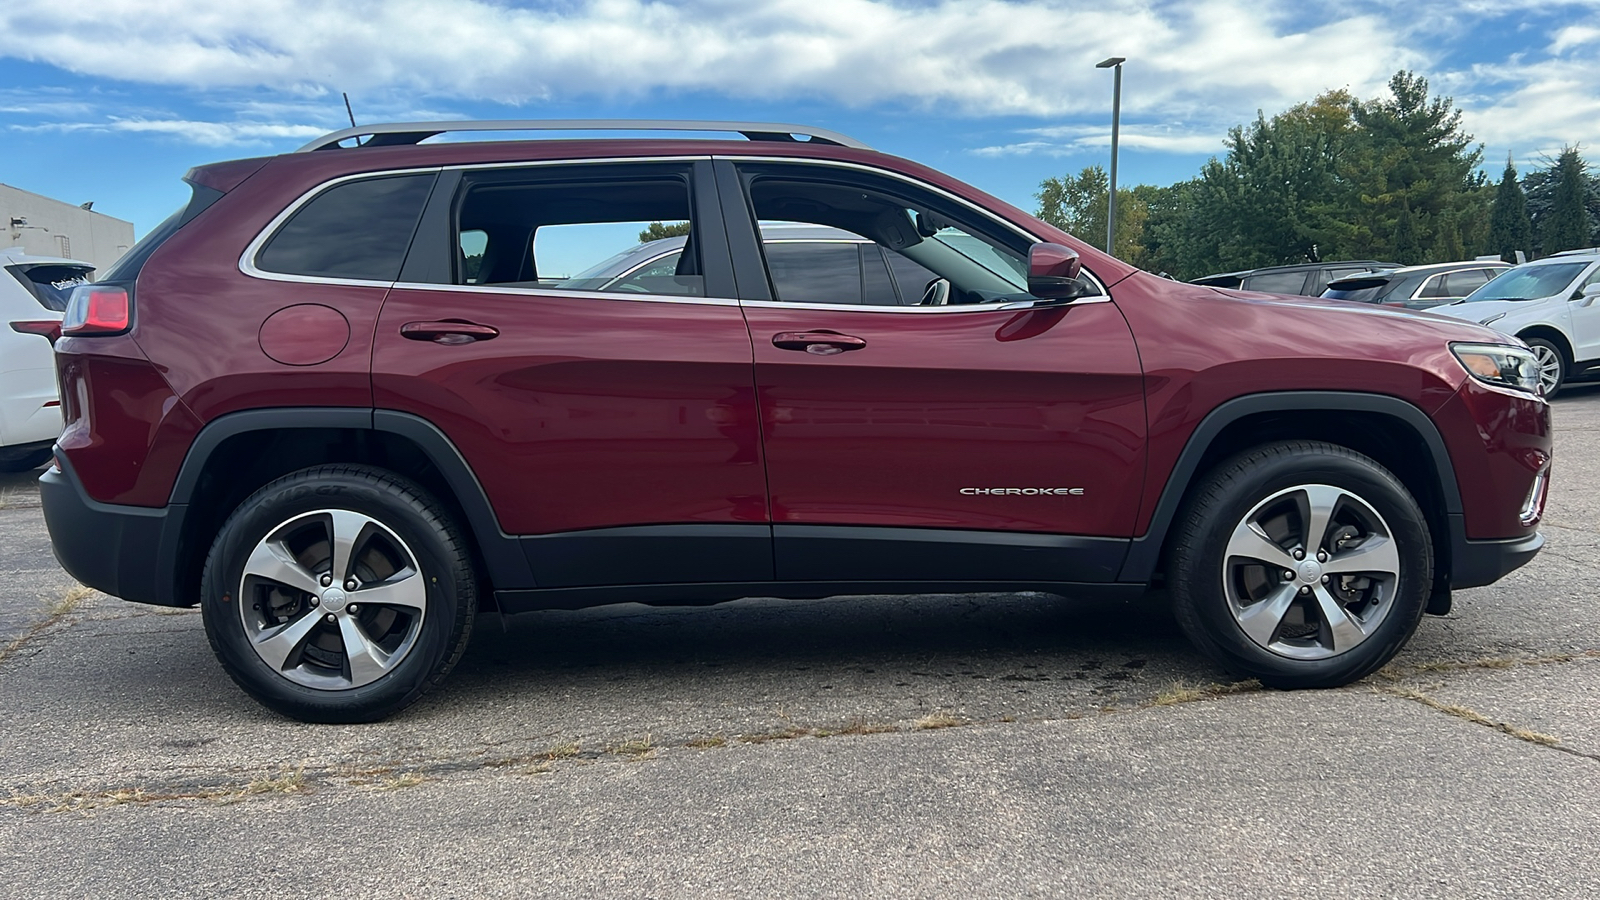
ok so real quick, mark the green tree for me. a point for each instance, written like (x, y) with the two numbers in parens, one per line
(1567, 226)
(1510, 228)
(1077, 205)
(656, 231)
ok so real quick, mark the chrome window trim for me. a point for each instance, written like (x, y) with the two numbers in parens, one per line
(1417, 294)
(247, 259)
(1007, 306)
(559, 293)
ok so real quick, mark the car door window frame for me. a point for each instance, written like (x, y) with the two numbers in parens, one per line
(750, 266)
(431, 263)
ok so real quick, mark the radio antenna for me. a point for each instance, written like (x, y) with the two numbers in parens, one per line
(347, 109)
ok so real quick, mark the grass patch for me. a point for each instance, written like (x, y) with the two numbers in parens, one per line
(707, 743)
(396, 782)
(1396, 672)
(1183, 692)
(938, 720)
(786, 733)
(636, 749)
(83, 800)
(284, 783)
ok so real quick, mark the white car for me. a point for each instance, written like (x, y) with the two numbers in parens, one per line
(33, 289)
(1551, 304)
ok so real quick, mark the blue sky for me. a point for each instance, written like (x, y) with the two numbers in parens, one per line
(112, 100)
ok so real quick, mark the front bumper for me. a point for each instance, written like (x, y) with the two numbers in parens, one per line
(130, 552)
(1477, 563)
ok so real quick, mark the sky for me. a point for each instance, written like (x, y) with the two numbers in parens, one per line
(113, 100)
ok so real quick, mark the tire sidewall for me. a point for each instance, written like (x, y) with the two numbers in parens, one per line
(386, 502)
(1566, 366)
(1203, 601)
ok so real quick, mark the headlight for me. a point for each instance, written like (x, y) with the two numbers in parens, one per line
(1492, 319)
(1500, 365)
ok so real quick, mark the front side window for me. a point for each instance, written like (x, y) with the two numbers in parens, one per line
(561, 231)
(921, 236)
(359, 230)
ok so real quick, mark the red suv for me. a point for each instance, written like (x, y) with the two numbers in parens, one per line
(349, 397)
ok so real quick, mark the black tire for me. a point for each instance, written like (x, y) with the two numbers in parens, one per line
(13, 461)
(403, 530)
(1553, 357)
(1215, 592)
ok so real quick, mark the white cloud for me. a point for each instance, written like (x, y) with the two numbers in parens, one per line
(209, 134)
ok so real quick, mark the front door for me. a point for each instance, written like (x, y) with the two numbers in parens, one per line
(605, 405)
(953, 439)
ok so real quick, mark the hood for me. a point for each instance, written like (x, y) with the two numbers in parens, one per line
(1451, 328)
(1478, 310)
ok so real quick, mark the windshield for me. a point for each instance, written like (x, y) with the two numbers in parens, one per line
(1529, 282)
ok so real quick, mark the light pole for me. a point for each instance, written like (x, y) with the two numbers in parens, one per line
(1115, 64)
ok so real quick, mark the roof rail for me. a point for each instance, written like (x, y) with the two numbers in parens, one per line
(405, 133)
(1583, 251)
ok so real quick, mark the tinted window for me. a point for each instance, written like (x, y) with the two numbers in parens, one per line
(1433, 288)
(815, 272)
(910, 276)
(877, 289)
(1336, 274)
(1277, 282)
(1356, 291)
(576, 231)
(50, 284)
(360, 229)
(1460, 284)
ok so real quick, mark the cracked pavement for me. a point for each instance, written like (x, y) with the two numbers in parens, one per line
(992, 745)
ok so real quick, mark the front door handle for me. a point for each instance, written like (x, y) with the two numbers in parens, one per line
(447, 332)
(817, 343)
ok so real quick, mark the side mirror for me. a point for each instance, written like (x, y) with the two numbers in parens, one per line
(1588, 294)
(1053, 272)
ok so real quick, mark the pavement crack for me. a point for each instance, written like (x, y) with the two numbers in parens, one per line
(55, 612)
(1469, 714)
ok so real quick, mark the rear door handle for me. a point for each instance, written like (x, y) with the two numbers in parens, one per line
(817, 343)
(447, 332)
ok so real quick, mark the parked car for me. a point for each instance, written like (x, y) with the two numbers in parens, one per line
(348, 397)
(1548, 303)
(1306, 279)
(1416, 287)
(33, 292)
(808, 263)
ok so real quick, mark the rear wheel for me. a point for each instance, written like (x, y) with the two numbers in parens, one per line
(338, 594)
(1302, 564)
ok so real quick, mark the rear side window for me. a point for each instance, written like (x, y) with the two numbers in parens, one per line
(1460, 284)
(359, 230)
(1277, 282)
(49, 283)
(1434, 289)
(815, 272)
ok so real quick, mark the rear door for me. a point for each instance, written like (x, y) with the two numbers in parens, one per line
(614, 430)
(955, 441)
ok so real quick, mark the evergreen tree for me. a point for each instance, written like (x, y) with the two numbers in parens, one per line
(655, 231)
(1567, 225)
(1510, 228)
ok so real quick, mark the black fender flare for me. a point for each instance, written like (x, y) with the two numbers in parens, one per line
(1144, 554)
(502, 553)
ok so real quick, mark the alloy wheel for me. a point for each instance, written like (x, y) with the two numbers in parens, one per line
(332, 599)
(1550, 365)
(1311, 572)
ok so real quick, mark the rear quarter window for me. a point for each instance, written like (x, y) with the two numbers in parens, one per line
(358, 230)
(1277, 282)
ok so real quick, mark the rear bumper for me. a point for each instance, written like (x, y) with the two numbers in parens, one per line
(1477, 563)
(125, 551)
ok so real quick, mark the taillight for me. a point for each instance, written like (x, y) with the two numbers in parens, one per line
(97, 309)
(49, 329)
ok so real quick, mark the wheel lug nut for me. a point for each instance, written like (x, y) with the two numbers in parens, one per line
(1304, 590)
(1288, 575)
(327, 580)
(332, 617)
(315, 600)
(1322, 556)
(1299, 554)
(352, 607)
(1324, 579)
(351, 585)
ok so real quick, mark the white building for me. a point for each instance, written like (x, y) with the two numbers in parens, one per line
(45, 227)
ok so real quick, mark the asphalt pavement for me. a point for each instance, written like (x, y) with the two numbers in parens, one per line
(898, 746)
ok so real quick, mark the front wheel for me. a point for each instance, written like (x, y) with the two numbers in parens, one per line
(1552, 365)
(1302, 564)
(338, 594)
